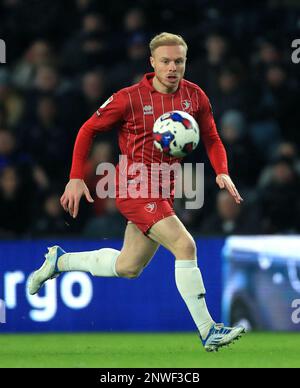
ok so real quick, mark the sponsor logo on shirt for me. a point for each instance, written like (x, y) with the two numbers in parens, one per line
(148, 110)
(151, 207)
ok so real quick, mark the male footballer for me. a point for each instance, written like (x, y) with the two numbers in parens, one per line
(151, 221)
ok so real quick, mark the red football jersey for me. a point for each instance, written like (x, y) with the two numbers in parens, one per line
(134, 110)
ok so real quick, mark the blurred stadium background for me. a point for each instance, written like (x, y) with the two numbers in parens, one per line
(64, 59)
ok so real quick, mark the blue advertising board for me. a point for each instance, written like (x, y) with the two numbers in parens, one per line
(76, 301)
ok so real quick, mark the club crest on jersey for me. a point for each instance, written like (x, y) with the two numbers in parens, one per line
(151, 207)
(186, 104)
(148, 110)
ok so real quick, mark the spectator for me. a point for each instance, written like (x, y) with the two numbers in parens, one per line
(46, 80)
(279, 199)
(34, 179)
(136, 62)
(267, 54)
(231, 218)
(243, 159)
(53, 156)
(134, 21)
(231, 91)
(284, 150)
(9, 155)
(97, 226)
(279, 101)
(93, 92)
(205, 70)
(11, 102)
(90, 47)
(14, 205)
(38, 54)
(51, 221)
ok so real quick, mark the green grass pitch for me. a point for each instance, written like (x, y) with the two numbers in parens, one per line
(120, 350)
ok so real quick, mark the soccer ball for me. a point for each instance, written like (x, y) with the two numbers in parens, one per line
(176, 133)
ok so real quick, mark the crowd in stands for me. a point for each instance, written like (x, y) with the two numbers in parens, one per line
(65, 58)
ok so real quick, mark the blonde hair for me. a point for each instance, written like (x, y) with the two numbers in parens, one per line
(167, 39)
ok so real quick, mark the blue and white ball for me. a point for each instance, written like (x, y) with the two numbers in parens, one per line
(176, 133)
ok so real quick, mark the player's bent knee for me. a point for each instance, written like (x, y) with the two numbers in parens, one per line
(133, 275)
(185, 248)
(130, 273)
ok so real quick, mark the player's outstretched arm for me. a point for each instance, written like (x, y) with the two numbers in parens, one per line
(70, 199)
(224, 182)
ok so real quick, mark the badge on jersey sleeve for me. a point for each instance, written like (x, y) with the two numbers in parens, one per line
(108, 101)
